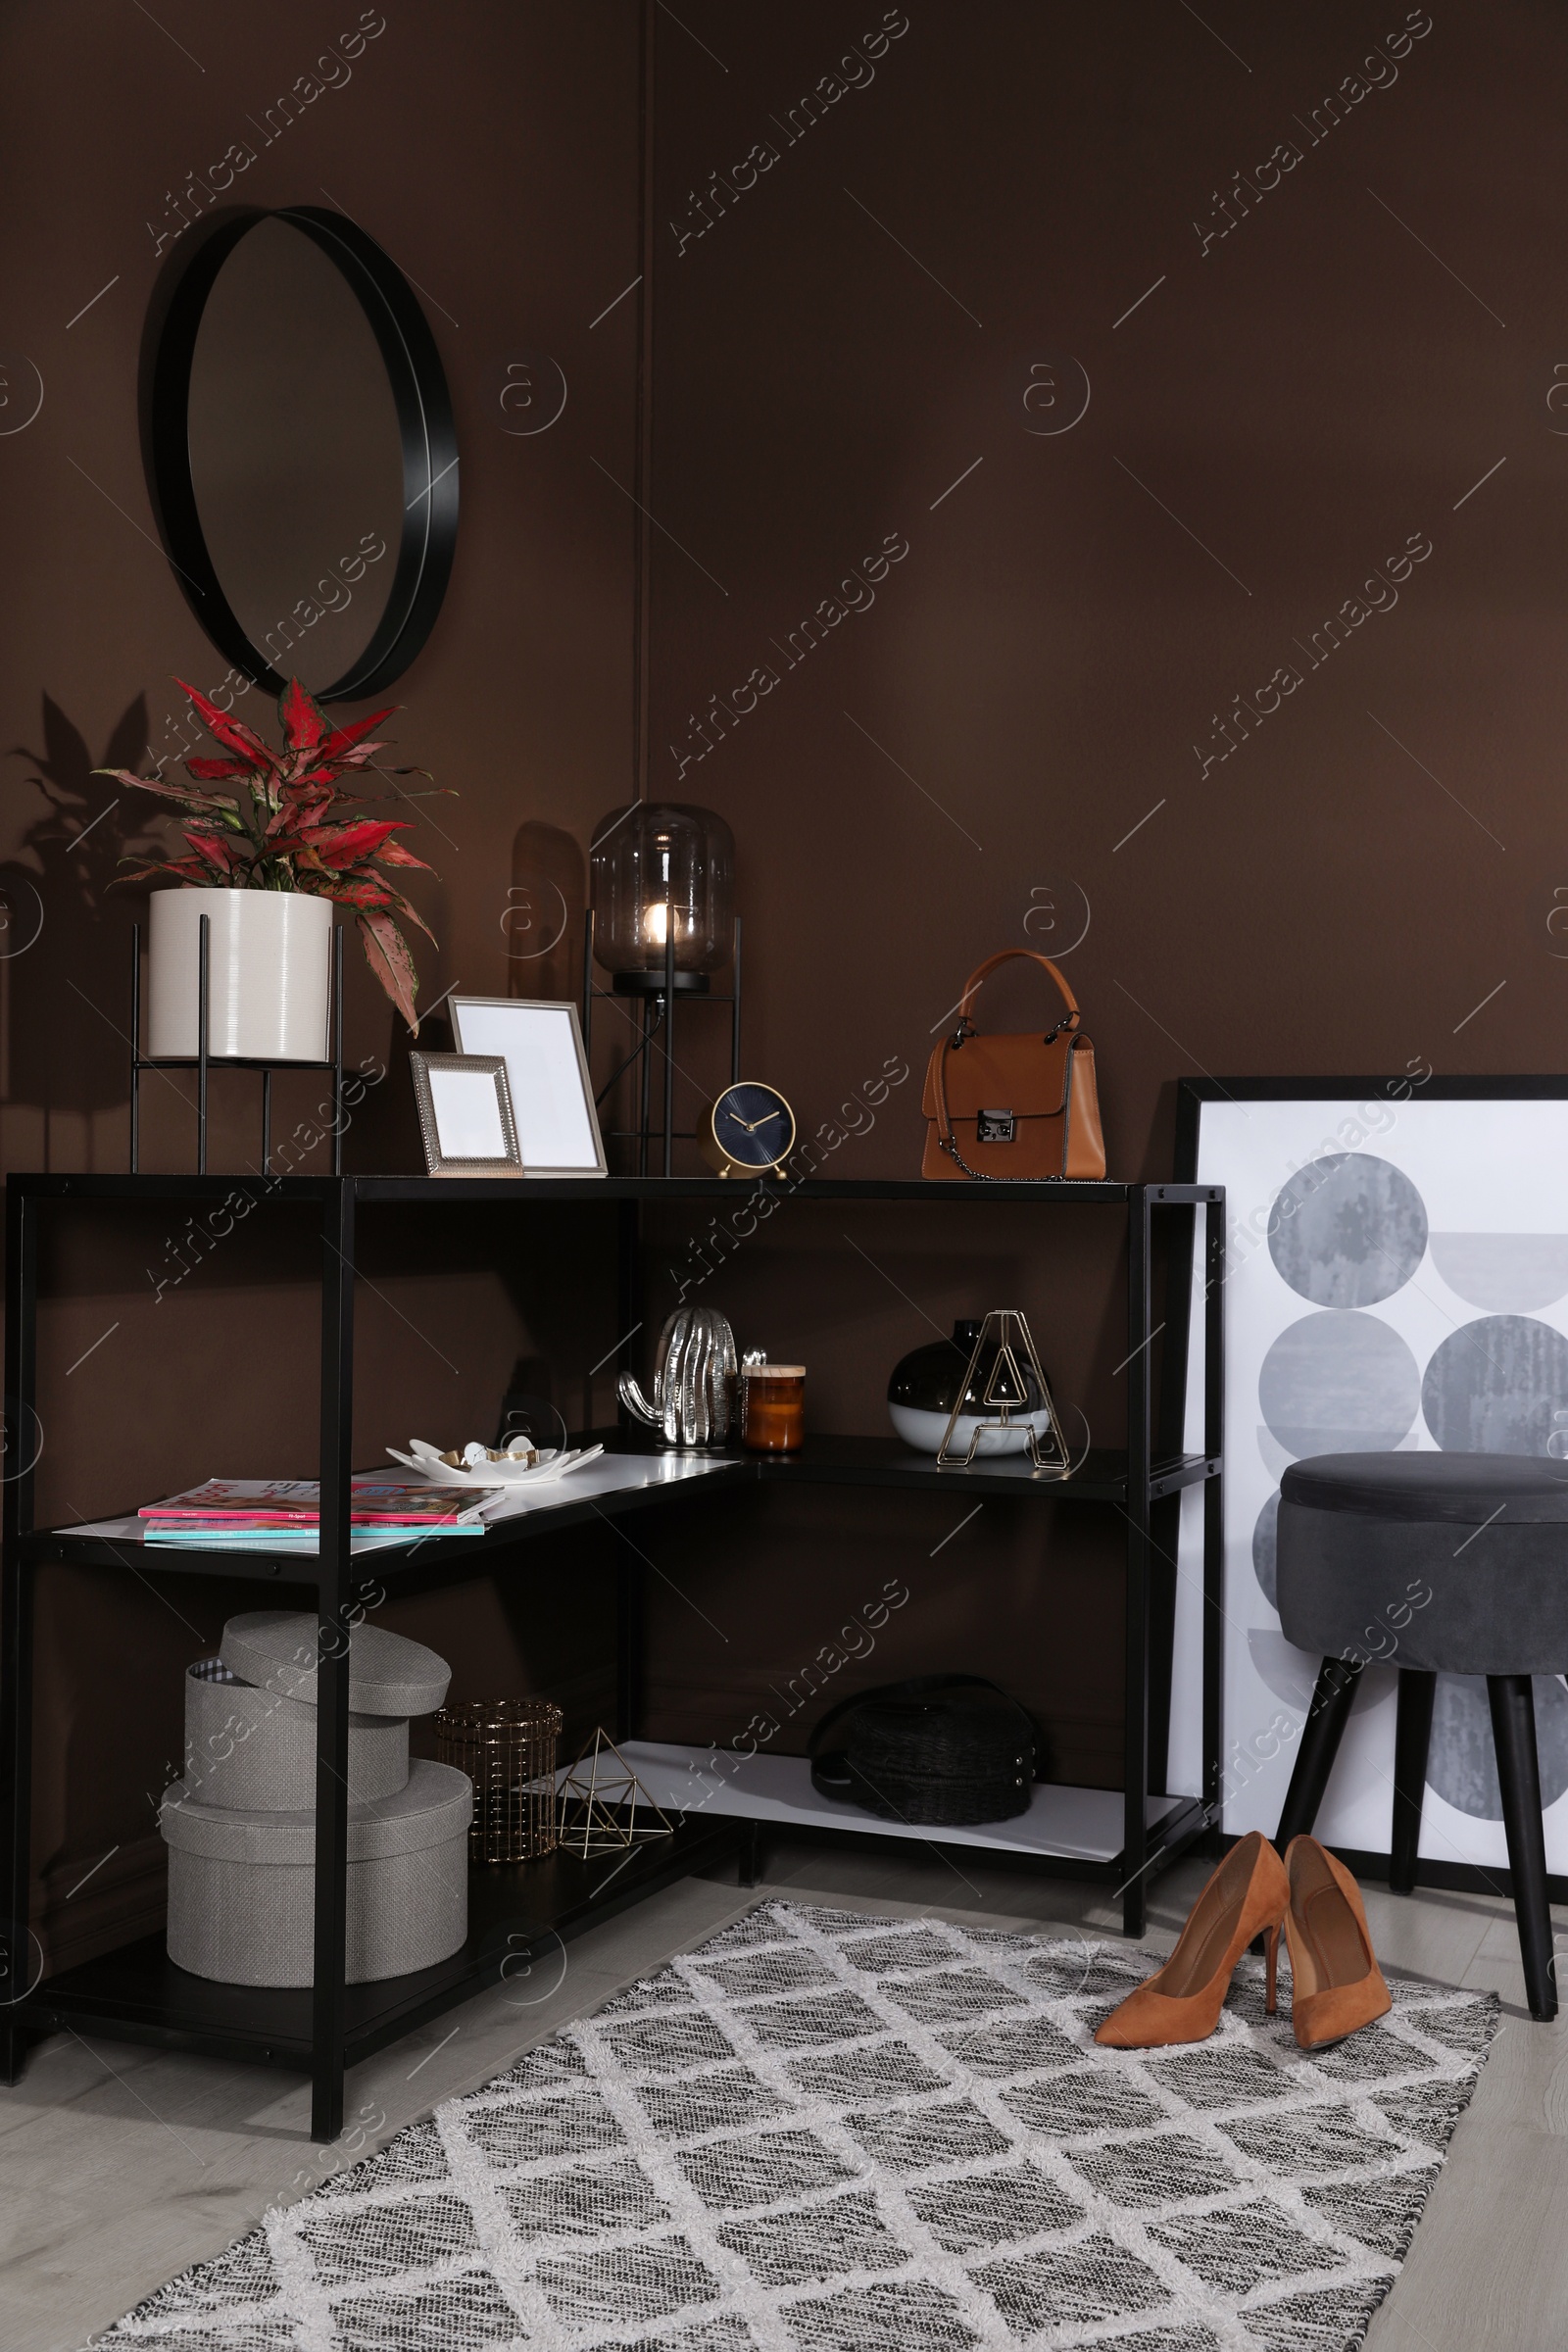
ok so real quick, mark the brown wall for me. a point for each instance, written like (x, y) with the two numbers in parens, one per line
(1282, 413)
(842, 332)
(1304, 397)
(493, 151)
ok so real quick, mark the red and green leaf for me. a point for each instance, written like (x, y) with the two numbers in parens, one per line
(299, 809)
(232, 733)
(300, 716)
(187, 870)
(187, 793)
(409, 913)
(217, 855)
(363, 754)
(339, 742)
(343, 844)
(386, 952)
(353, 890)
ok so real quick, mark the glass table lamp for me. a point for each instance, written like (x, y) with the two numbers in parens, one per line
(657, 869)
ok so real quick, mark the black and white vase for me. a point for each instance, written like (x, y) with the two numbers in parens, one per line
(926, 1385)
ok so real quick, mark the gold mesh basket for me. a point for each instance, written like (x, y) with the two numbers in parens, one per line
(507, 1746)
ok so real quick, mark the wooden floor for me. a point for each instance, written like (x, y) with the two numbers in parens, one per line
(120, 2167)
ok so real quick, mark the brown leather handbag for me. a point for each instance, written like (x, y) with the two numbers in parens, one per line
(1013, 1107)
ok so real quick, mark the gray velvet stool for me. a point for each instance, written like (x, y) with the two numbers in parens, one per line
(1436, 1563)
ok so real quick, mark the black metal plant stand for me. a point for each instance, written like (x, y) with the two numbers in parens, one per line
(659, 991)
(201, 1061)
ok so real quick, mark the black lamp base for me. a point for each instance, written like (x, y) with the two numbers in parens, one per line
(655, 983)
(658, 991)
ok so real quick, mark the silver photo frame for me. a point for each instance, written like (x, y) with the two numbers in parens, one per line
(465, 1108)
(540, 1040)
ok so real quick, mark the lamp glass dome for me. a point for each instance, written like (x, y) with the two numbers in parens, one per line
(657, 865)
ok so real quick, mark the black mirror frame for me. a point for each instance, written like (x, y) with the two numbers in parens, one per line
(424, 420)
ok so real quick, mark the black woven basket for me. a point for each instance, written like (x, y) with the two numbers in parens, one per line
(941, 1751)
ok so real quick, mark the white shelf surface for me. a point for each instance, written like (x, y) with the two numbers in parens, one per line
(609, 1474)
(1070, 1824)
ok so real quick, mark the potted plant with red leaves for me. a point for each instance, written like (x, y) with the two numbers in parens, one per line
(269, 859)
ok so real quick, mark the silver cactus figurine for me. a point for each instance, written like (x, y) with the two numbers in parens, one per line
(694, 1379)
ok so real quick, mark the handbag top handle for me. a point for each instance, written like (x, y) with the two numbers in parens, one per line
(972, 987)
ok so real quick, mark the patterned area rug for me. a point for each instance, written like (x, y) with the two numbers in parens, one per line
(832, 2134)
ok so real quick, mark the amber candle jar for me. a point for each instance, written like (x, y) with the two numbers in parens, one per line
(774, 1415)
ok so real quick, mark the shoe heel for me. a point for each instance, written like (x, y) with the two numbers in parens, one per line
(1272, 1948)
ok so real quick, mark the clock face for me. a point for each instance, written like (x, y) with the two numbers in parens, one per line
(753, 1125)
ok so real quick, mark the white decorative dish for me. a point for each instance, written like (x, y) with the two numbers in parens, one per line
(530, 1470)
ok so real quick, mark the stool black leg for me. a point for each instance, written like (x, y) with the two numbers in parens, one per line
(1513, 1728)
(1412, 1738)
(1321, 1733)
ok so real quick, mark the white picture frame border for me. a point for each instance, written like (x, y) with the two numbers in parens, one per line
(555, 1006)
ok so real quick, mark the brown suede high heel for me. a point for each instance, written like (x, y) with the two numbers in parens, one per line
(1336, 1984)
(1248, 1895)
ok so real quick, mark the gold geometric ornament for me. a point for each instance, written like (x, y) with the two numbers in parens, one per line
(602, 1807)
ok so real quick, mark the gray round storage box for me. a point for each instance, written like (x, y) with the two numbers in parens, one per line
(248, 1747)
(388, 1675)
(240, 1826)
(242, 1884)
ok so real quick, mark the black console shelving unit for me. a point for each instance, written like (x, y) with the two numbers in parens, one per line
(1121, 1839)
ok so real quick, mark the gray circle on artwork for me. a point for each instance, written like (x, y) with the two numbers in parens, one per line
(1266, 1548)
(1347, 1230)
(1463, 1759)
(1290, 1673)
(1494, 1385)
(1505, 1273)
(1338, 1384)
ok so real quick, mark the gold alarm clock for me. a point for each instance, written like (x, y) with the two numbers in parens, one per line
(750, 1131)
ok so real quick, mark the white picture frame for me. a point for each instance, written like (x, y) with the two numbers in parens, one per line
(540, 1042)
(466, 1120)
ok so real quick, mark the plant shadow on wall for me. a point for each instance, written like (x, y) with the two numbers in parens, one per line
(64, 950)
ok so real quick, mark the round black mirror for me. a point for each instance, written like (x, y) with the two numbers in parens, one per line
(301, 451)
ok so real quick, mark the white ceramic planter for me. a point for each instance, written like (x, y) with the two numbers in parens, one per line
(269, 968)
